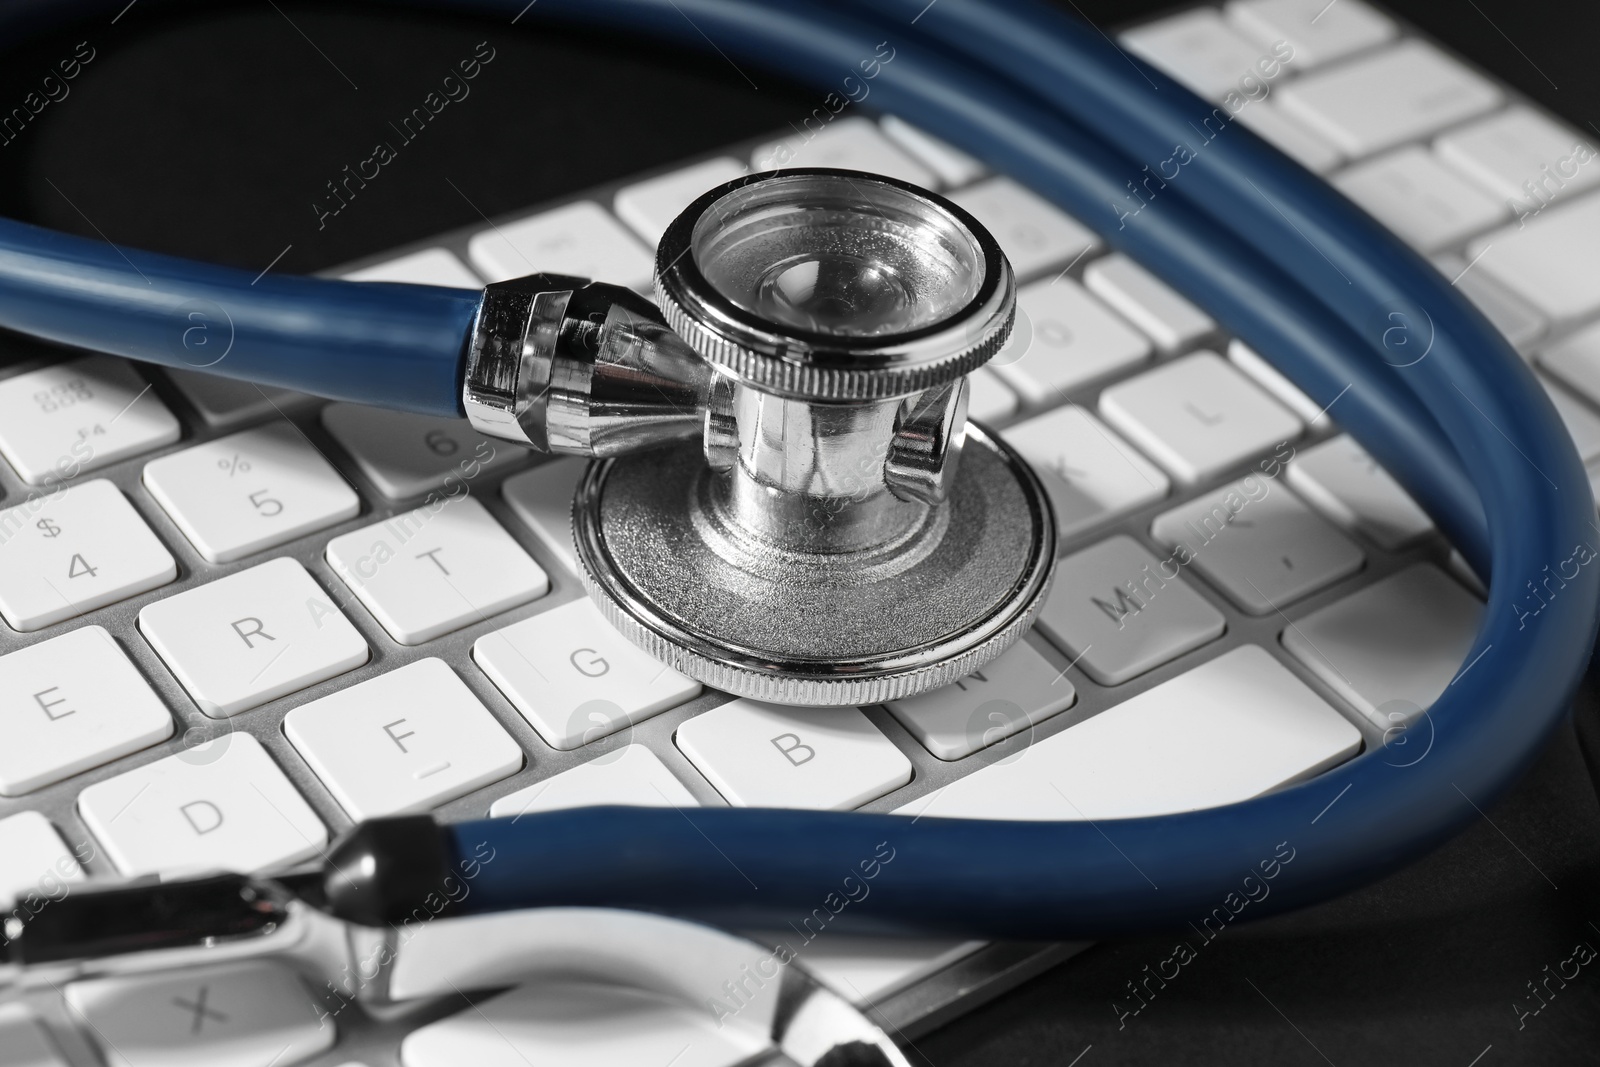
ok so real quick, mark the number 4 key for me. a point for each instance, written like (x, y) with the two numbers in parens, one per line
(74, 551)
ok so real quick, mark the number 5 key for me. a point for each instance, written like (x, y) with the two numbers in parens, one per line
(250, 491)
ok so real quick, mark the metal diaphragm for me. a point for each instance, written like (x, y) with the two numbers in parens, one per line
(839, 535)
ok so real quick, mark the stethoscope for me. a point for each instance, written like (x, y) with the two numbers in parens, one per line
(782, 442)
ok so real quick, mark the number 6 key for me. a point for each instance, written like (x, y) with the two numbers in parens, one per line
(250, 491)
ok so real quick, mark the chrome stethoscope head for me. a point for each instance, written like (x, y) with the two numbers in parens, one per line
(789, 502)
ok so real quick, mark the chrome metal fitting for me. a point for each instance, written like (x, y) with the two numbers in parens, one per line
(792, 505)
(929, 431)
(564, 364)
(835, 285)
(816, 626)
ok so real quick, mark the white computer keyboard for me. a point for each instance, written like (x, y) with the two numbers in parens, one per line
(256, 617)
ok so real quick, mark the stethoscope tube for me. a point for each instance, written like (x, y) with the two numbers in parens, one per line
(1066, 880)
(397, 346)
(187, 315)
(1470, 398)
(1242, 183)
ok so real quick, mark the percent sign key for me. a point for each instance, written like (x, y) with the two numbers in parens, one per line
(266, 507)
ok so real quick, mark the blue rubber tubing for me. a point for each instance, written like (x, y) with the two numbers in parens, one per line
(1470, 405)
(399, 346)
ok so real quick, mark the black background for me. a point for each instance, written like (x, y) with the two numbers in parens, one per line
(210, 132)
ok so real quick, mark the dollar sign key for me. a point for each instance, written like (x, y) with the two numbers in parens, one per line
(50, 528)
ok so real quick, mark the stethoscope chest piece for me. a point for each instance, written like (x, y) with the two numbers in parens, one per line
(838, 533)
(789, 503)
(664, 557)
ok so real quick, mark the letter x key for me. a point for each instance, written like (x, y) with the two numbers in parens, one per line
(201, 1012)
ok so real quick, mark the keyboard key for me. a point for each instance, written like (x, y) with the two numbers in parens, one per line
(1576, 361)
(1581, 423)
(849, 144)
(542, 499)
(1092, 476)
(252, 637)
(431, 266)
(76, 550)
(1258, 544)
(254, 1014)
(557, 1021)
(1063, 338)
(1392, 648)
(1518, 148)
(1228, 730)
(1380, 100)
(1203, 52)
(222, 805)
(1018, 690)
(35, 864)
(769, 756)
(1034, 234)
(1273, 381)
(250, 491)
(1346, 484)
(439, 568)
(402, 742)
(1511, 315)
(579, 239)
(1147, 302)
(1266, 120)
(988, 399)
(1197, 416)
(575, 678)
(227, 403)
(1317, 30)
(1552, 262)
(1420, 199)
(954, 167)
(24, 1042)
(68, 418)
(632, 775)
(71, 703)
(1119, 613)
(405, 455)
(651, 205)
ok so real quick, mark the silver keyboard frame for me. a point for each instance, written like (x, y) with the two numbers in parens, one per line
(907, 1013)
